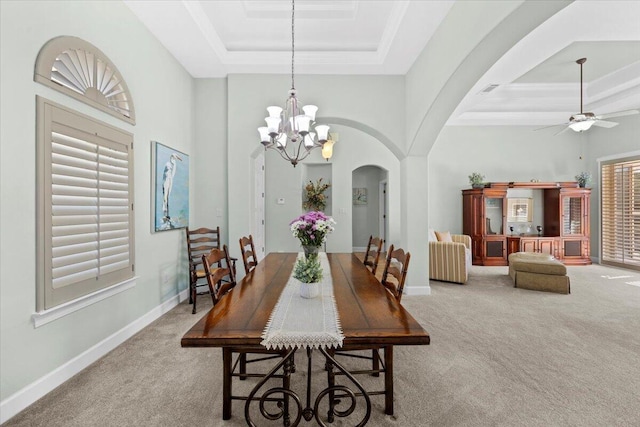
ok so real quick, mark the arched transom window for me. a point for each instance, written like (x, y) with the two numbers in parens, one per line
(77, 68)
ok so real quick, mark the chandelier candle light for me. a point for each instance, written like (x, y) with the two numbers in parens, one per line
(290, 130)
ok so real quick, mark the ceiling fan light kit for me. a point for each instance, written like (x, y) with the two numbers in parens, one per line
(583, 121)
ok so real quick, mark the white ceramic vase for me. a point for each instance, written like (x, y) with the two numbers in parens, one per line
(309, 290)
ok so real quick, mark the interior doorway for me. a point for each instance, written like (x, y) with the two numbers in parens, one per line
(369, 210)
(258, 223)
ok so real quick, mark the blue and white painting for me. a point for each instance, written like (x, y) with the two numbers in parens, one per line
(171, 188)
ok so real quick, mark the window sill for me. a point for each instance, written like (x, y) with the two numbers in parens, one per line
(46, 316)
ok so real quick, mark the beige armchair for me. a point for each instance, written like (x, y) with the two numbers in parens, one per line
(450, 261)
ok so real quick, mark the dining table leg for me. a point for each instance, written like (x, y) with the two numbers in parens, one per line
(288, 396)
(227, 359)
(243, 366)
(375, 362)
(388, 380)
(331, 382)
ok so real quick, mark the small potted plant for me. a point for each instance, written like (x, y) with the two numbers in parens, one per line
(309, 272)
(476, 180)
(583, 179)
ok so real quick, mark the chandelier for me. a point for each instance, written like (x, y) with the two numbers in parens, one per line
(291, 130)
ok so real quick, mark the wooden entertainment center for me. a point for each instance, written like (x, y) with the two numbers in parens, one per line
(500, 224)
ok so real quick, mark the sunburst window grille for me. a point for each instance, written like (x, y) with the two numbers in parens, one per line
(79, 69)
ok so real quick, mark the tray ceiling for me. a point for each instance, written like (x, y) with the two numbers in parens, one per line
(535, 83)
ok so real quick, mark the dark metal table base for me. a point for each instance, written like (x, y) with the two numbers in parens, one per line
(289, 395)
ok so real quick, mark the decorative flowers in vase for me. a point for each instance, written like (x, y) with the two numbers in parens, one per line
(315, 199)
(583, 178)
(312, 228)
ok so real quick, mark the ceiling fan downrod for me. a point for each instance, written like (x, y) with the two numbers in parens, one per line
(581, 61)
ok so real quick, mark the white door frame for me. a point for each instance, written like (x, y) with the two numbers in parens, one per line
(258, 215)
(382, 211)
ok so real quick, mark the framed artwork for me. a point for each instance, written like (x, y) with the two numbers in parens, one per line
(493, 202)
(170, 183)
(519, 210)
(359, 196)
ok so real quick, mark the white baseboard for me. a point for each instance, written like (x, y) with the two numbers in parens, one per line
(417, 290)
(15, 403)
(359, 249)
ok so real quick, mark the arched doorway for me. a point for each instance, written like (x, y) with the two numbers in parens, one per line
(370, 207)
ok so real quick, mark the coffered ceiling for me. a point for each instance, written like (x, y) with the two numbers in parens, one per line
(536, 83)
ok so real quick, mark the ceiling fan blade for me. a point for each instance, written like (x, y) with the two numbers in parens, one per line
(604, 124)
(551, 126)
(562, 131)
(618, 114)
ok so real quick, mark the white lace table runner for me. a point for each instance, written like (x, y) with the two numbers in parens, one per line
(300, 322)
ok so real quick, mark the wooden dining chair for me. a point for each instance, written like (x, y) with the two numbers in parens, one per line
(393, 279)
(218, 272)
(248, 252)
(221, 281)
(395, 271)
(199, 242)
(372, 256)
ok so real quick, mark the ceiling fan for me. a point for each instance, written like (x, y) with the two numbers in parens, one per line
(583, 121)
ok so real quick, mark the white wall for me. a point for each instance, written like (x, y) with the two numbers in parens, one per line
(162, 94)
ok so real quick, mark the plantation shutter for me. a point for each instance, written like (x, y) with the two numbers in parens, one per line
(88, 218)
(621, 212)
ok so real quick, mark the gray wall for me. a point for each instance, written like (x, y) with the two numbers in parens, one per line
(604, 144)
(379, 120)
(313, 172)
(162, 94)
(209, 208)
(512, 153)
(364, 110)
(502, 154)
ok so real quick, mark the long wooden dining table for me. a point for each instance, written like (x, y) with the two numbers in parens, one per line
(369, 314)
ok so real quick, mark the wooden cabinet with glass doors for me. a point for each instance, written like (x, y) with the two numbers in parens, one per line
(484, 221)
(564, 220)
(566, 215)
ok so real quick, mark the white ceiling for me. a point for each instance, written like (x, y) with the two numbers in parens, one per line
(538, 78)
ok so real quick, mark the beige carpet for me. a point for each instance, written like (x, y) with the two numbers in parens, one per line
(499, 356)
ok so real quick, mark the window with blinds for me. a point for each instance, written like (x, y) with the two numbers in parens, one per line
(86, 238)
(621, 212)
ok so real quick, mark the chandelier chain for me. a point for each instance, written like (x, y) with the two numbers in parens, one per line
(293, 43)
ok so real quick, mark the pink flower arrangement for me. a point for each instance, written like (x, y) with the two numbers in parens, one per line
(312, 228)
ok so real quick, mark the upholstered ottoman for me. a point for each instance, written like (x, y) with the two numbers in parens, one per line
(538, 272)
